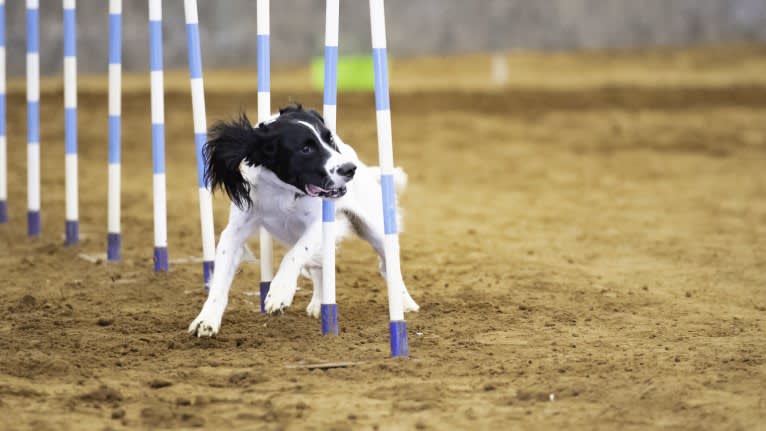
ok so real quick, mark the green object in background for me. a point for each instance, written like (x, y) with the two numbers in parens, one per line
(355, 73)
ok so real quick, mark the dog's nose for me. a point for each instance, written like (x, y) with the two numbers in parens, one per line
(347, 170)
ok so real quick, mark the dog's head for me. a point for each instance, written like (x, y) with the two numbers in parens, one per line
(296, 146)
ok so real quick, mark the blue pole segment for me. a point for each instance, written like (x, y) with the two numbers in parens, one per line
(155, 43)
(380, 66)
(399, 345)
(114, 139)
(195, 54)
(264, 290)
(33, 31)
(70, 45)
(264, 77)
(158, 148)
(33, 122)
(160, 259)
(389, 204)
(329, 313)
(113, 246)
(70, 130)
(330, 75)
(328, 210)
(115, 38)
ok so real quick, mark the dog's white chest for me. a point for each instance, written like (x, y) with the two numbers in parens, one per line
(282, 214)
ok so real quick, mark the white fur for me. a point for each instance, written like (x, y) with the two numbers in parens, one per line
(295, 220)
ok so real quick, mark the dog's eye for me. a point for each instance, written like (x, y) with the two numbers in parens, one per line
(307, 149)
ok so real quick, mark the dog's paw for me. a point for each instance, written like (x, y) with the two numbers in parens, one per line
(281, 293)
(409, 304)
(204, 327)
(314, 308)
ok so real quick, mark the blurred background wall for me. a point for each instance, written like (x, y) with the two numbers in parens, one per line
(415, 27)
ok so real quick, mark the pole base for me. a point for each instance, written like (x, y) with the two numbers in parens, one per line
(399, 346)
(3, 212)
(264, 291)
(329, 319)
(33, 223)
(160, 259)
(72, 235)
(207, 273)
(113, 246)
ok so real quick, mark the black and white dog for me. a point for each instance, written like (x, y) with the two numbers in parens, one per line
(276, 175)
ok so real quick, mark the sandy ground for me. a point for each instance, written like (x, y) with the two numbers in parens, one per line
(587, 255)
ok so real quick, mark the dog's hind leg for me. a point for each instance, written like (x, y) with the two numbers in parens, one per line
(367, 230)
(227, 257)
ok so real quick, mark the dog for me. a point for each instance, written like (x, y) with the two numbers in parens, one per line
(276, 175)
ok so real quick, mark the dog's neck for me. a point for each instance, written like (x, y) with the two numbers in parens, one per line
(264, 177)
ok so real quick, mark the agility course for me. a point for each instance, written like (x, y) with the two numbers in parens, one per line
(587, 249)
(329, 311)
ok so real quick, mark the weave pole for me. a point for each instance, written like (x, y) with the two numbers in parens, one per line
(264, 112)
(329, 308)
(394, 282)
(115, 88)
(72, 224)
(200, 137)
(33, 118)
(3, 140)
(158, 137)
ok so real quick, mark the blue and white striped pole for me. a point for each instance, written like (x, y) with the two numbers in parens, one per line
(394, 282)
(115, 88)
(33, 118)
(329, 308)
(72, 224)
(200, 137)
(3, 141)
(158, 137)
(264, 112)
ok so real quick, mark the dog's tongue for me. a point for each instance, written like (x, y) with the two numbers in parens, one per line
(314, 190)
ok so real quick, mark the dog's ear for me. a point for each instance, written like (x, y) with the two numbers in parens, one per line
(289, 109)
(228, 145)
(316, 114)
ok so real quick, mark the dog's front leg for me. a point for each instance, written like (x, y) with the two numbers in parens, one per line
(227, 257)
(285, 282)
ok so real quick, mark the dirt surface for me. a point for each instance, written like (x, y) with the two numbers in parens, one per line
(590, 256)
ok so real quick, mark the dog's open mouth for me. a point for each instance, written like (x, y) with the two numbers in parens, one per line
(316, 191)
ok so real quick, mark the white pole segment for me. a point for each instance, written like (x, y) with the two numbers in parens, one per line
(200, 137)
(264, 113)
(394, 282)
(329, 308)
